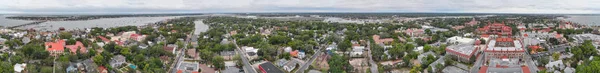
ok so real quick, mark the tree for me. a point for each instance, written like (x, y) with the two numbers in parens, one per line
(427, 47)
(238, 60)
(65, 35)
(279, 39)
(555, 56)
(99, 59)
(339, 64)
(415, 69)
(71, 41)
(218, 62)
(206, 54)
(344, 45)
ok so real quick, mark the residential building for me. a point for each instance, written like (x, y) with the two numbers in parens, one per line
(170, 48)
(117, 61)
(357, 51)
(290, 65)
(20, 68)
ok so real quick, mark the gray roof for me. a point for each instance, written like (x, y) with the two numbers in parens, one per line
(505, 70)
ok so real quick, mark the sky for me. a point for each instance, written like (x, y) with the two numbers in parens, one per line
(266, 6)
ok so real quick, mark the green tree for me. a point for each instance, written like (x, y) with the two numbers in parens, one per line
(65, 35)
(344, 45)
(218, 62)
(555, 56)
(339, 64)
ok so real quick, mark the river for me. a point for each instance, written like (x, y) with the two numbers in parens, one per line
(592, 20)
(200, 27)
(103, 22)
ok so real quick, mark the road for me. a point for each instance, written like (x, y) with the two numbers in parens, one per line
(373, 64)
(307, 64)
(528, 60)
(477, 64)
(179, 56)
(247, 66)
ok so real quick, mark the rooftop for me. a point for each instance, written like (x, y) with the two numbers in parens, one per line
(268, 67)
(464, 49)
(504, 44)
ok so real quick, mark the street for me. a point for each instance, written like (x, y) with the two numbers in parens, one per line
(307, 64)
(247, 66)
(373, 64)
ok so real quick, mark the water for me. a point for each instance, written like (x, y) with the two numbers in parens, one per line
(593, 20)
(200, 27)
(104, 23)
(11, 22)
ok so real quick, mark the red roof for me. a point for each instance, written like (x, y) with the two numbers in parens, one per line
(78, 45)
(55, 46)
(525, 69)
(168, 49)
(504, 39)
(483, 69)
(104, 39)
(179, 71)
(134, 36)
(101, 69)
(294, 53)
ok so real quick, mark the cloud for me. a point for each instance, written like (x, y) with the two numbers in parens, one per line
(210, 6)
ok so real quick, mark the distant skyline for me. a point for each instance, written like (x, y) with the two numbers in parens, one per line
(286, 6)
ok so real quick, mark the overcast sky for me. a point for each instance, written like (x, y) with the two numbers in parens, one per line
(242, 6)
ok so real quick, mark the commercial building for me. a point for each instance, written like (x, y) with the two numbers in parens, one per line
(268, 67)
(504, 48)
(462, 52)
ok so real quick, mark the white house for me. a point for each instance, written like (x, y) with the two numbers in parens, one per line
(357, 51)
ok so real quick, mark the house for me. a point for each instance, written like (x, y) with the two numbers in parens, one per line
(268, 67)
(287, 49)
(55, 48)
(192, 53)
(251, 51)
(424, 55)
(25, 40)
(227, 55)
(104, 39)
(90, 66)
(294, 53)
(290, 65)
(102, 69)
(281, 62)
(19, 68)
(555, 65)
(78, 46)
(357, 51)
(2, 40)
(117, 61)
(170, 48)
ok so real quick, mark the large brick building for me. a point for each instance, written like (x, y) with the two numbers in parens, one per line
(497, 29)
(504, 48)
